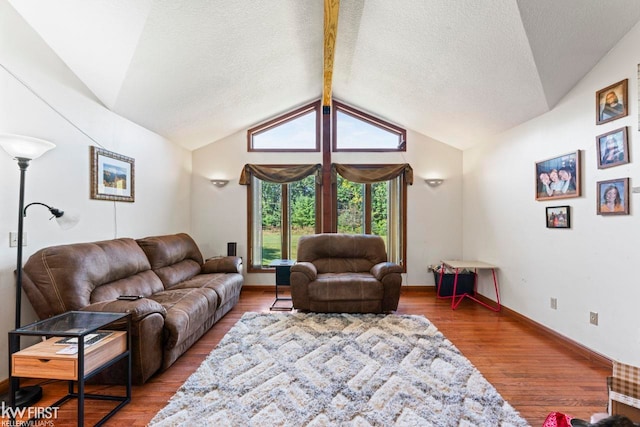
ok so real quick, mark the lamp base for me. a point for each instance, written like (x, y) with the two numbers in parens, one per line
(25, 396)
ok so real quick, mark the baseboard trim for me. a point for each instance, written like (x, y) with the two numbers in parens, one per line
(261, 288)
(574, 346)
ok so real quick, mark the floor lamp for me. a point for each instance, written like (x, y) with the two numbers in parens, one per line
(24, 149)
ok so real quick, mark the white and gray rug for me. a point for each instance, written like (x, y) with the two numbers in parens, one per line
(296, 369)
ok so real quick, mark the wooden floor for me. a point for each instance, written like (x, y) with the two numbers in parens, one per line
(530, 368)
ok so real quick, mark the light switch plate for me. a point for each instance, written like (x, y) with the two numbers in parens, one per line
(13, 239)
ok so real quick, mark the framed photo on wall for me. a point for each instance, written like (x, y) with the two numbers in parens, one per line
(558, 217)
(112, 176)
(613, 197)
(558, 177)
(612, 148)
(611, 102)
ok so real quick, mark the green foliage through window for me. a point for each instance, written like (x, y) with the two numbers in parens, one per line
(278, 236)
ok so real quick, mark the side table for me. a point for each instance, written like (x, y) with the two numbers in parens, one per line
(458, 265)
(283, 274)
(44, 360)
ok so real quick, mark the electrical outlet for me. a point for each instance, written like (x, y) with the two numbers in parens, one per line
(13, 239)
(554, 303)
(593, 318)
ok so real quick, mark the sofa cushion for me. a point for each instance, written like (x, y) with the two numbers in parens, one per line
(63, 278)
(174, 258)
(187, 309)
(145, 284)
(226, 286)
(177, 273)
(341, 253)
(345, 287)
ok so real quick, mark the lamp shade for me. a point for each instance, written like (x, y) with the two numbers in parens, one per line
(24, 147)
(68, 220)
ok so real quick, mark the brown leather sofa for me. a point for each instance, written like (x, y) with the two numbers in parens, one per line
(183, 296)
(344, 273)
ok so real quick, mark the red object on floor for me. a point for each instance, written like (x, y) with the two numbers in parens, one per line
(557, 419)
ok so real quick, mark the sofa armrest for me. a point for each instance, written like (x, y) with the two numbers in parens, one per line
(306, 268)
(224, 264)
(138, 308)
(382, 269)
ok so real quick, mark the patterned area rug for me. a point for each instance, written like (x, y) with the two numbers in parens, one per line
(296, 369)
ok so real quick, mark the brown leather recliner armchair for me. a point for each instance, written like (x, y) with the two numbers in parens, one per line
(344, 273)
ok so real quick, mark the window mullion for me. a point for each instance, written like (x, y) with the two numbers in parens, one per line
(285, 222)
(368, 207)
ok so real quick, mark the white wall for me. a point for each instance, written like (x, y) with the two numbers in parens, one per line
(592, 266)
(61, 177)
(434, 224)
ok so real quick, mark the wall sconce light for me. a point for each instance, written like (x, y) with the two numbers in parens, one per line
(433, 182)
(219, 182)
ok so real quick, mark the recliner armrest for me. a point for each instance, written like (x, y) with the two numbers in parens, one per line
(138, 308)
(382, 269)
(307, 268)
(224, 264)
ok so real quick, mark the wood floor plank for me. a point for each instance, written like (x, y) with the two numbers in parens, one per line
(529, 367)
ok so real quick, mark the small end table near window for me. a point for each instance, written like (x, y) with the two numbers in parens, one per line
(458, 265)
(283, 273)
(44, 360)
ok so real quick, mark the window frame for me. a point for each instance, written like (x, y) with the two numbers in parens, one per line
(369, 119)
(285, 206)
(402, 206)
(326, 188)
(284, 118)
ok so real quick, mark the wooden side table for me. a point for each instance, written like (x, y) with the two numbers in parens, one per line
(283, 274)
(44, 360)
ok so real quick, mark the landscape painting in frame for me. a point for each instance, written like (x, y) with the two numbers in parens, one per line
(558, 177)
(112, 176)
(611, 102)
(613, 197)
(612, 148)
(558, 217)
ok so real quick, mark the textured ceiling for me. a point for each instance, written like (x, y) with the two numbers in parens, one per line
(458, 71)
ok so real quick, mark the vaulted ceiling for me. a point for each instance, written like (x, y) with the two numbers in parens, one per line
(458, 71)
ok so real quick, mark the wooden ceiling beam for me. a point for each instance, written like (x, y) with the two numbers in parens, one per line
(331, 8)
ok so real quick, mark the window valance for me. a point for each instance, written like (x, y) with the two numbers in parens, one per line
(279, 174)
(369, 174)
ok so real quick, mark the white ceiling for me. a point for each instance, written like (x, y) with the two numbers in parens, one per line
(458, 71)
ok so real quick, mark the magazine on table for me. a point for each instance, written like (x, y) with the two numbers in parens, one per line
(89, 339)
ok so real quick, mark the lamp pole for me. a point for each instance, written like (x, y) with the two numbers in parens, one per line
(23, 164)
(24, 396)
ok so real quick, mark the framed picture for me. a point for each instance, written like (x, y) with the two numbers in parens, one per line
(559, 177)
(612, 148)
(613, 197)
(112, 176)
(611, 102)
(558, 217)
